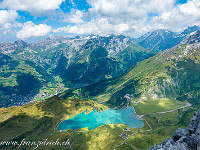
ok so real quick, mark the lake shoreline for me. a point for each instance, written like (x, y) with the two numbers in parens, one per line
(95, 119)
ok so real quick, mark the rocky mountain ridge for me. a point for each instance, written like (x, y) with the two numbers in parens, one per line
(162, 39)
(193, 38)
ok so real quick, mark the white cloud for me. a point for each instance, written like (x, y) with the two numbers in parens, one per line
(74, 17)
(158, 6)
(128, 17)
(101, 26)
(8, 22)
(7, 16)
(31, 30)
(179, 18)
(132, 9)
(11, 25)
(136, 14)
(36, 7)
(191, 8)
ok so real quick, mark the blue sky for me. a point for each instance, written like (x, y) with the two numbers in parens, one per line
(32, 20)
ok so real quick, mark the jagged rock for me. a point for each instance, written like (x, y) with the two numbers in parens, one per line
(192, 127)
(194, 38)
(198, 130)
(20, 43)
(191, 142)
(179, 133)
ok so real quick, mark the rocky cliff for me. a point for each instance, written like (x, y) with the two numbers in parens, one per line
(183, 139)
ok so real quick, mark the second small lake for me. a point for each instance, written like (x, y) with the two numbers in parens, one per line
(95, 119)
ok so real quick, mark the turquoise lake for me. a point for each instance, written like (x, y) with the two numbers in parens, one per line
(95, 119)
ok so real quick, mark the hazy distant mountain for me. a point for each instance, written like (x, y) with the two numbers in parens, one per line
(190, 30)
(162, 39)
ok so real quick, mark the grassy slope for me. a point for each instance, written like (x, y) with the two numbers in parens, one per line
(170, 74)
(12, 70)
(37, 121)
(18, 123)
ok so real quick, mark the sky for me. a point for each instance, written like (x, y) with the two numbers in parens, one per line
(32, 20)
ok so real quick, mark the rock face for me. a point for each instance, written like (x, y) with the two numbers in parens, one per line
(194, 38)
(183, 139)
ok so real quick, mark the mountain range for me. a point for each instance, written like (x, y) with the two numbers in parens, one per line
(173, 74)
(56, 63)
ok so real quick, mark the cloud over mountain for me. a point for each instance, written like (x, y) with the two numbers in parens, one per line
(129, 17)
(31, 30)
